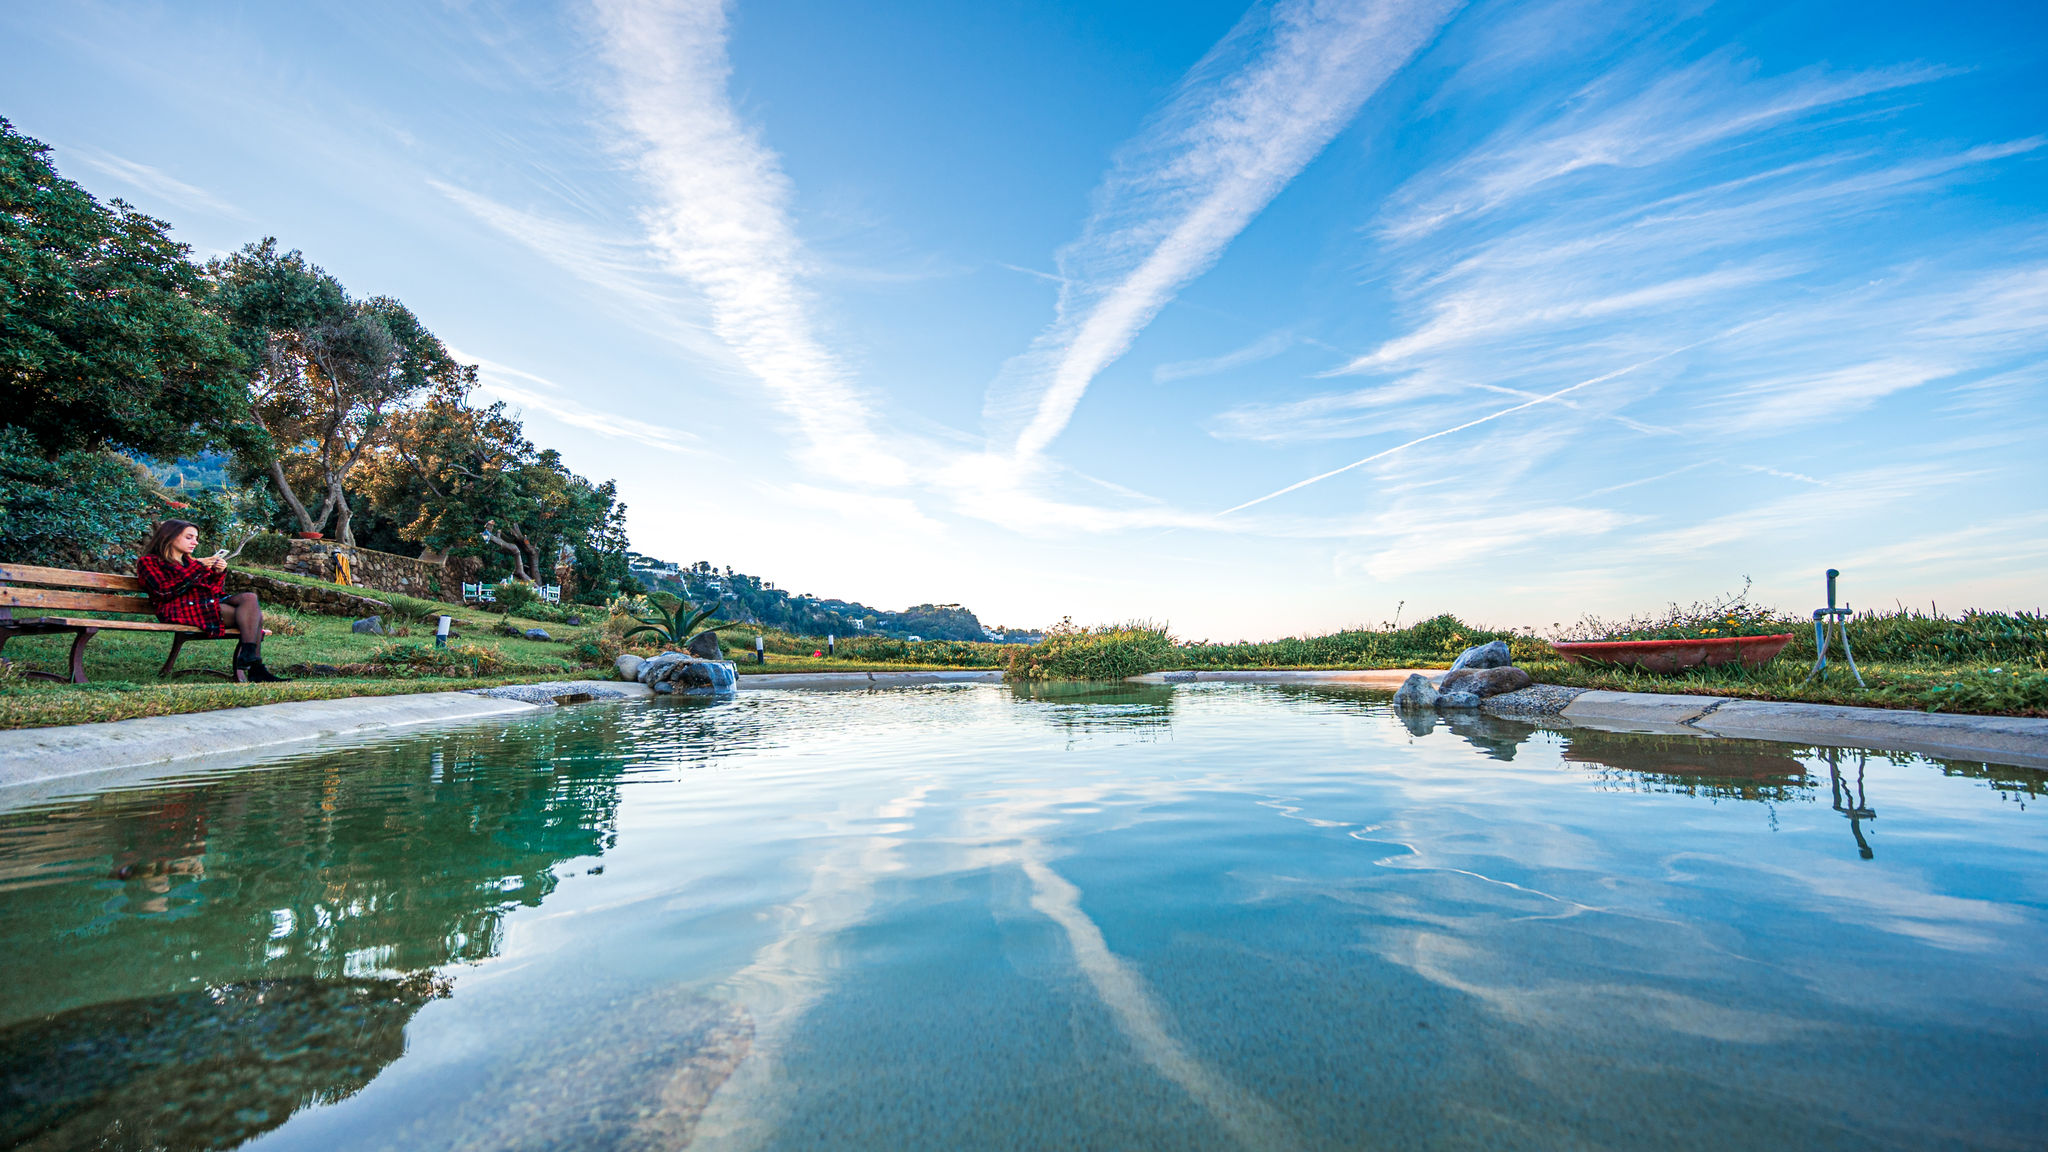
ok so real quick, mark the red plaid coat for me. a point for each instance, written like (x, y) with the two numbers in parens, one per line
(187, 593)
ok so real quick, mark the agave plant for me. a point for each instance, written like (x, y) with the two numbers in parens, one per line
(672, 625)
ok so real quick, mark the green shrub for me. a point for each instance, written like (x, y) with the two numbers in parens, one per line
(1110, 652)
(942, 653)
(1909, 635)
(514, 596)
(266, 548)
(415, 658)
(80, 510)
(1437, 640)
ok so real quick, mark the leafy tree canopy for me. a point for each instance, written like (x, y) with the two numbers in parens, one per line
(332, 377)
(104, 337)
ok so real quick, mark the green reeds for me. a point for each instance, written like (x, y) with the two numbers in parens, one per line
(1109, 652)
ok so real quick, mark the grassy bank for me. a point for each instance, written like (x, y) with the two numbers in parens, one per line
(328, 658)
(45, 705)
(1978, 662)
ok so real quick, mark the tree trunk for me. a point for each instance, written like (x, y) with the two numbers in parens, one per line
(344, 516)
(518, 557)
(291, 498)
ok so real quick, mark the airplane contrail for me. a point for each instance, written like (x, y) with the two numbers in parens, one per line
(1544, 399)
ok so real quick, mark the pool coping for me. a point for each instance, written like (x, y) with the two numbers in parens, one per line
(2020, 740)
(68, 752)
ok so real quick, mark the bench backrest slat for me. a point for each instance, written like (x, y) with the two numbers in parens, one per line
(81, 601)
(66, 578)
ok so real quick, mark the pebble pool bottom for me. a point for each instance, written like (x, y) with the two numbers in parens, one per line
(1081, 917)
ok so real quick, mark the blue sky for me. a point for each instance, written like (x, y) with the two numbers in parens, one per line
(1255, 320)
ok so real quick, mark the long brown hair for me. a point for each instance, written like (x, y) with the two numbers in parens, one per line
(159, 542)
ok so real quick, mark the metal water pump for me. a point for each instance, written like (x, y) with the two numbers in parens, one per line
(1840, 617)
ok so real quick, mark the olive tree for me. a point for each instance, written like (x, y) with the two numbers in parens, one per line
(331, 374)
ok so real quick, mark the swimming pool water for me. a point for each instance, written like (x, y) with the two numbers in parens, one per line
(1205, 916)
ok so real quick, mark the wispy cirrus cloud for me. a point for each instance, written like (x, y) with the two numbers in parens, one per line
(618, 265)
(1715, 210)
(1263, 104)
(1633, 118)
(1264, 348)
(720, 219)
(154, 182)
(539, 394)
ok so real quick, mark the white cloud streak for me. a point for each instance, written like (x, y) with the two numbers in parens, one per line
(1265, 348)
(1246, 121)
(1488, 418)
(155, 182)
(539, 394)
(721, 221)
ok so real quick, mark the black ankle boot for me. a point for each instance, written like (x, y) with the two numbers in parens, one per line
(258, 674)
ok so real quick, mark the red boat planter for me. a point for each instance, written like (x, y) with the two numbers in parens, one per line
(311, 535)
(1677, 655)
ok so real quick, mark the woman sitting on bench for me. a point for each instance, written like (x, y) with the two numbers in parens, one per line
(183, 590)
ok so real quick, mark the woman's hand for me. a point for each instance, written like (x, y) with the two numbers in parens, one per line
(217, 563)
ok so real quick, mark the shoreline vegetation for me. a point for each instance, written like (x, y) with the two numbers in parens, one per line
(1976, 662)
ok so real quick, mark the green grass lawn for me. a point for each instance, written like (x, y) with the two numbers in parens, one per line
(1977, 686)
(122, 666)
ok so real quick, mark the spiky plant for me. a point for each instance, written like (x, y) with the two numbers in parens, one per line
(672, 624)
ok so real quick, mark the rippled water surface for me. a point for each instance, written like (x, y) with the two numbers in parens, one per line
(1210, 916)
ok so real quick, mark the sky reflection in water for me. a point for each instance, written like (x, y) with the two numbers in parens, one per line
(1211, 916)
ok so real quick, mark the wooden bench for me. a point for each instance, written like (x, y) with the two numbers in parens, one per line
(64, 590)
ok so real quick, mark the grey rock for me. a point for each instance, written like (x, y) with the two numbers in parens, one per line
(651, 670)
(628, 666)
(574, 621)
(537, 634)
(1534, 701)
(1419, 722)
(703, 676)
(1493, 654)
(1457, 700)
(369, 626)
(704, 645)
(553, 692)
(1416, 692)
(664, 687)
(1484, 682)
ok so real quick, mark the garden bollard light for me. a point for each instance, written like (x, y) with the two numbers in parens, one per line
(760, 650)
(441, 633)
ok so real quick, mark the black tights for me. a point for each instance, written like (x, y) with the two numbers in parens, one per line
(242, 613)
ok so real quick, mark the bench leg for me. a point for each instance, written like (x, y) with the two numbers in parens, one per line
(78, 654)
(7, 634)
(168, 671)
(177, 642)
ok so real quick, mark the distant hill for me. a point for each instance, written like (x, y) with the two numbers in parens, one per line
(751, 599)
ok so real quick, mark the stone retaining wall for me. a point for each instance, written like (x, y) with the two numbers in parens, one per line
(331, 601)
(381, 571)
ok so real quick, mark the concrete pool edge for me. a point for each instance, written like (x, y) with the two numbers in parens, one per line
(33, 755)
(67, 751)
(2020, 740)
